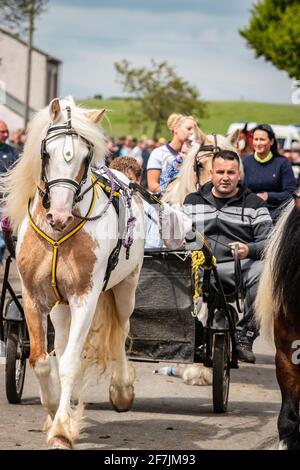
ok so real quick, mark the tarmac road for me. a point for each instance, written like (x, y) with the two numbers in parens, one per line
(167, 414)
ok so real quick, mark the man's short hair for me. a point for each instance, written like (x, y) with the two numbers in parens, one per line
(127, 163)
(226, 155)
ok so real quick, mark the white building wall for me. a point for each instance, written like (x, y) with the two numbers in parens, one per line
(13, 63)
(13, 120)
(13, 71)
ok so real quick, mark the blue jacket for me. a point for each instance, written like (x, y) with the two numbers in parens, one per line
(8, 155)
(274, 177)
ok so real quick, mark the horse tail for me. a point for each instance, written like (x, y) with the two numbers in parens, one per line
(106, 335)
(278, 282)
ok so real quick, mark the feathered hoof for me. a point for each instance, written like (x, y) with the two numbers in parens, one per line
(121, 397)
(47, 424)
(59, 443)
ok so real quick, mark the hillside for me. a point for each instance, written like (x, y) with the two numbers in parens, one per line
(219, 115)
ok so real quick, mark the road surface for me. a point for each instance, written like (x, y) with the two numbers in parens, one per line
(167, 414)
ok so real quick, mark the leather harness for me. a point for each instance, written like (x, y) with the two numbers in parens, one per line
(113, 257)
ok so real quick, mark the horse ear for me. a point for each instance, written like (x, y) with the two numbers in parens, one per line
(54, 109)
(233, 137)
(96, 116)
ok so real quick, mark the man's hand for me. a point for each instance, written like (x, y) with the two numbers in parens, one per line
(243, 249)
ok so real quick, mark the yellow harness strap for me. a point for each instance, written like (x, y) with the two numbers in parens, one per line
(105, 187)
(199, 260)
(57, 243)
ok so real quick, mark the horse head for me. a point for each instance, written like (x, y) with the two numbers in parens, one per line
(66, 156)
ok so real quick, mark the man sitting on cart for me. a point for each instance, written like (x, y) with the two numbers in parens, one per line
(229, 213)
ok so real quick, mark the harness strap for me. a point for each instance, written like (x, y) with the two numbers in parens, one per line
(55, 244)
(114, 255)
(199, 260)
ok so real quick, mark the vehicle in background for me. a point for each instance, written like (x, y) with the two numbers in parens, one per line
(285, 134)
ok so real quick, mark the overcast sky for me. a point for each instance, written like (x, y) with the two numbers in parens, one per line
(198, 37)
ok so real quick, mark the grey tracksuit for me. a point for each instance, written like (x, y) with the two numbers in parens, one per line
(243, 218)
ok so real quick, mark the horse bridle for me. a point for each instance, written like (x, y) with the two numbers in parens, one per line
(210, 150)
(53, 132)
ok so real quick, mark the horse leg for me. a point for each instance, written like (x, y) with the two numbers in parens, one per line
(61, 319)
(44, 366)
(66, 424)
(288, 377)
(121, 388)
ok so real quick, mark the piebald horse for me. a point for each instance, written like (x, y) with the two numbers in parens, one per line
(63, 250)
(195, 170)
(277, 314)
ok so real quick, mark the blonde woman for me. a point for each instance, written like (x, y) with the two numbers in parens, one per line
(164, 162)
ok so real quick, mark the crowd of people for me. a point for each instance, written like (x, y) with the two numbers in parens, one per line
(231, 210)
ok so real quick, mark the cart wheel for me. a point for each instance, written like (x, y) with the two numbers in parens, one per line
(221, 372)
(15, 363)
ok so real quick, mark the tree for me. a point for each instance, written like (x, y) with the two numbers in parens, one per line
(159, 91)
(20, 16)
(274, 33)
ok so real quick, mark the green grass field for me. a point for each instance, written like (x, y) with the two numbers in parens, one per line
(219, 115)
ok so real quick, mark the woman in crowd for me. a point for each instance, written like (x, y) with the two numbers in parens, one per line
(165, 161)
(267, 173)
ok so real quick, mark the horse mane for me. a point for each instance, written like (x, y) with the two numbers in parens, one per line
(279, 281)
(20, 182)
(185, 182)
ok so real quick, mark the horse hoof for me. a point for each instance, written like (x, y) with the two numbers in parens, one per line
(59, 443)
(47, 424)
(121, 397)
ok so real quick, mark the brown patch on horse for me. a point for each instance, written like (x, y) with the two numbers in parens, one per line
(75, 263)
(297, 202)
(287, 372)
(34, 317)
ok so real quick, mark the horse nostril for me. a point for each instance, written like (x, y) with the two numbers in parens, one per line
(49, 218)
(69, 219)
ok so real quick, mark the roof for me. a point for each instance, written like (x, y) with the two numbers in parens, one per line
(14, 36)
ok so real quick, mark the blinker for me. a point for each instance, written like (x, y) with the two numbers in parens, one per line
(46, 201)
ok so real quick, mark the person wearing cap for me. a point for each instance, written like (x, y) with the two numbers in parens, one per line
(267, 173)
(165, 161)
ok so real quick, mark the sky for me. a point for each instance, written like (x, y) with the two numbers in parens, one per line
(199, 38)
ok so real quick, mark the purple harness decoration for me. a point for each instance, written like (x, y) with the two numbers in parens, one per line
(127, 236)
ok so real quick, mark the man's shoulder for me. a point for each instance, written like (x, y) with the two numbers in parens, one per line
(252, 200)
(193, 198)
